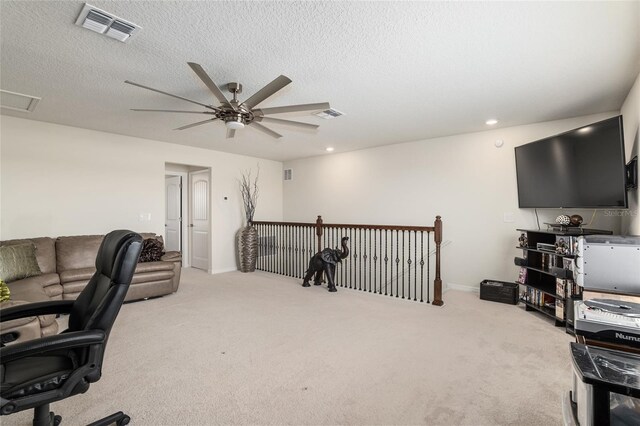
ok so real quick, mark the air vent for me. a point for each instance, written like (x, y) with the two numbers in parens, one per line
(330, 113)
(18, 101)
(102, 22)
(287, 174)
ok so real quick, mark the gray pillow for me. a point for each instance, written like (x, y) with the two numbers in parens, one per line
(18, 262)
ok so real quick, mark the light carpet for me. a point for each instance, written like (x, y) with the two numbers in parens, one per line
(258, 348)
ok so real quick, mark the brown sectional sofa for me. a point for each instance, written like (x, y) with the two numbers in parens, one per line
(67, 264)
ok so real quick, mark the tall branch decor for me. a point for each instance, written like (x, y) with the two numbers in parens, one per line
(249, 191)
(248, 236)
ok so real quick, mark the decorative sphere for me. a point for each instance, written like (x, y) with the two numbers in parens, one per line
(576, 220)
(563, 219)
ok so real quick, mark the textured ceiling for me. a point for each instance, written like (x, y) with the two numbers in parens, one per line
(401, 71)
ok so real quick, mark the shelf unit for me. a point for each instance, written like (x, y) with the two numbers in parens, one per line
(547, 275)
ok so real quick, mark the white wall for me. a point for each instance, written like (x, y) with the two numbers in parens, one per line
(60, 180)
(631, 121)
(463, 178)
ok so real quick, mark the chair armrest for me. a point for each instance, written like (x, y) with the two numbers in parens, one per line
(36, 309)
(73, 339)
(172, 256)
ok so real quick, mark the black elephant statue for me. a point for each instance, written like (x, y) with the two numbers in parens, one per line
(326, 261)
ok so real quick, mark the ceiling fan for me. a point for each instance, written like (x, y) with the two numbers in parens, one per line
(235, 114)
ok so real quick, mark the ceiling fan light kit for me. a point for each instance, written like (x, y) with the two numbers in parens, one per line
(235, 114)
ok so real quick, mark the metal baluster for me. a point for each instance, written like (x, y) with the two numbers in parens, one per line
(415, 265)
(353, 265)
(282, 250)
(397, 264)
(375, 261)
(360, 264)
(403, 263)
(422, 266)
(428, 267)
(409, 268)
(289, 246)
(386, 259)
(369, 257)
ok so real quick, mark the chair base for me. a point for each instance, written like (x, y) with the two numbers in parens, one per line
(43, 417)
(118, 418)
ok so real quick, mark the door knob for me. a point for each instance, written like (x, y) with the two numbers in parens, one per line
(191, 225)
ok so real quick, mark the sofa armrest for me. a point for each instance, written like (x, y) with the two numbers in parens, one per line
(172, 256)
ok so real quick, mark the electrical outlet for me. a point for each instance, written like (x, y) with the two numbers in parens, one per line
(508, 217)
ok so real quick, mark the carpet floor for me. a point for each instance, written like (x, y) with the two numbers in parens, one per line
(260, 349)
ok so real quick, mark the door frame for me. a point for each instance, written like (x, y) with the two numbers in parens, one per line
(184, 213)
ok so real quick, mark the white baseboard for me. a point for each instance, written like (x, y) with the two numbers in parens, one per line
(460, 287)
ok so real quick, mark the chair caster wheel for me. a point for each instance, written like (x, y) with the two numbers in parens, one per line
(123, 421)
(56, 420)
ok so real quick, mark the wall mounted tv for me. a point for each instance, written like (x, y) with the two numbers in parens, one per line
(583, 167)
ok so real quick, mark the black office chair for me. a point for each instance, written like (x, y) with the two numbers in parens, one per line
(38, 372)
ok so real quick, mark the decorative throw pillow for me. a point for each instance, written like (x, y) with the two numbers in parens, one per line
(18, 261)
(5, 293)
(152, 250)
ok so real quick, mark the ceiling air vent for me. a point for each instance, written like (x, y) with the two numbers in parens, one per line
(102, 22)
(329, 113)
(18, 101)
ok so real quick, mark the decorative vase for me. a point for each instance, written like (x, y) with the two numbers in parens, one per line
(248, 248)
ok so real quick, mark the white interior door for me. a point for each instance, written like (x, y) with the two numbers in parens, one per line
(173, 213)
(199, 225)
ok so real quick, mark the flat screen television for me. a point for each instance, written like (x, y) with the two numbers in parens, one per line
(583, 167)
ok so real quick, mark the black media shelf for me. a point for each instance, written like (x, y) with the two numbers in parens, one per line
(545, 271)
(568, 256)
(550, 312)
(547, 289)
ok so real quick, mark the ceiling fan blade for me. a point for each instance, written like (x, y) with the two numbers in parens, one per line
(169, 94)
(287, 122)
(266, 130)
(267, 91)
(231, 133)
(196, 124)
(172, 110)
(210, 84)
(291, 108)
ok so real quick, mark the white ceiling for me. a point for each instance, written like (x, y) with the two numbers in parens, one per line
(401, 71)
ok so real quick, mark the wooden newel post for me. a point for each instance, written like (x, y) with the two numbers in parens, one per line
(319, 232)
(437, 283)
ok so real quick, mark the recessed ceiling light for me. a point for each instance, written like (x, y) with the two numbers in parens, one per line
(585, 129)
(330, 113)
(329, 149)
(491, 122)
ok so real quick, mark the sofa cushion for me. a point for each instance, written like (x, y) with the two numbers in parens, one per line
(77, 252)
(153, 266)
(29, 289)
(18, 261)
(49, 282)
(45, 252)
(72, 289)
(32, 291)
(82, 274)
